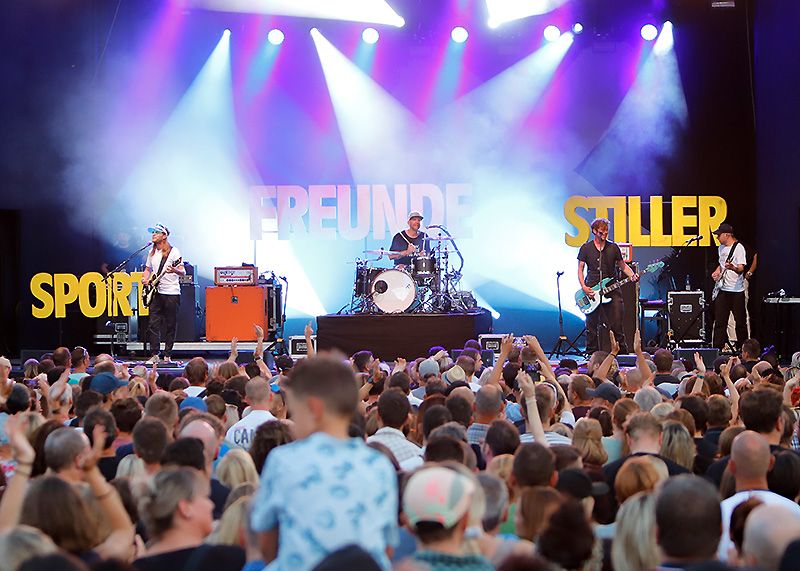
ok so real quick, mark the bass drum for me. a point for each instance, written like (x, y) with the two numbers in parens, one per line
(393, 291)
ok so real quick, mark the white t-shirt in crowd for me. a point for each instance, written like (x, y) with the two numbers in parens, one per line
(169, 284)
(731, 281)
(728, 505)
(193, 391)
(241, 434)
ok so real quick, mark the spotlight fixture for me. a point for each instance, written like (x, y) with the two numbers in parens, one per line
(370, 35)
(649, 32)
(459, 35)
(552, 33)
(275, 37)
(577, 28)
(226, 33)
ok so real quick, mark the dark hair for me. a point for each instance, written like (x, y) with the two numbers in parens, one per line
(443, 448)
(524, 563)
(568, 539)
(533, 465)
(394, 408)
(698, 408)
(99, 415)
(178, 384)
(187, 452)
(78, 355)
(126, 412)
(37, 441)
(62, 358)
(761, 409)
(752, 348)
(361, 359)
(216, 406)
(330, 380)
(433, 532)
(685, 418)
(196, 371)
(472, 344)
(433, 417)
(215, 387)
(784, 478)
(502, 437)
(435, 386)
(473, 352)
(566, 455)
(460, 409)
(739, 518)
(58, 561)
(663, 360)
(400, 380)
(123, 487)
(85, 401)
(510, 372)
(602, 415)
(150, 440)
(268, 436)
(738, 372)
(19, 399)
(466, 363)
(688, 517)
(252, 369)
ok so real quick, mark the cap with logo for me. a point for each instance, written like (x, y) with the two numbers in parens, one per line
(158, 229)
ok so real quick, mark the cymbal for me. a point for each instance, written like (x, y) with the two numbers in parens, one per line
(375, 252)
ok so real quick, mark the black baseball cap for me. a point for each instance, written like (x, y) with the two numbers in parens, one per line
(724, 228)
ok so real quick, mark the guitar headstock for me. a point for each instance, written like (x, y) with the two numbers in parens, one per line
(654, 267)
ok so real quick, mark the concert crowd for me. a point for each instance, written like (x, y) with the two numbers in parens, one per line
(362, 462)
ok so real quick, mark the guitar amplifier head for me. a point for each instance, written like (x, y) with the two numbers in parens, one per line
(236, 275)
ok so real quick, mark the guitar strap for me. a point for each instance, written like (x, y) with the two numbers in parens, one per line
(730, 256)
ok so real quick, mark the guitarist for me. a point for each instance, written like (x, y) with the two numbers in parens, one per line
(164, 259)
(729, 276)
(600, 258)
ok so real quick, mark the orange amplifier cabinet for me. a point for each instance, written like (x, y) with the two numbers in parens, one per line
(232, 311)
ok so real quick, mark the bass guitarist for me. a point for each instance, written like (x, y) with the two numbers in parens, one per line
(599, 258)
(163, 260)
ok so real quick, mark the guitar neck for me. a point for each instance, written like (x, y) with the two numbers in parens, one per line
(620, 283)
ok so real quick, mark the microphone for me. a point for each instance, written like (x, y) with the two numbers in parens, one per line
(777, 293)
(559, 273)
(695, 239)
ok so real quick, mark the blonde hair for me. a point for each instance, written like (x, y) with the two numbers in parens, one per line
(137, 387)
(588, 439)
(22, 542)
(232, 524)
(131, 466)
(678, 445)
(159, 501)
(501, 467)
(635, 547)
(237, 467)
(637, 474)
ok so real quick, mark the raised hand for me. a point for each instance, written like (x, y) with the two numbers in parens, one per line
(614, 343)
(20, 447)
(308, 331)
(259, 331)
(725, 368)
(698, 363)
(89, 458)
(637, 342)
(526, 385)
(506, 344)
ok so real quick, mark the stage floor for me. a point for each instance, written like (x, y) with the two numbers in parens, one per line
(400, 335)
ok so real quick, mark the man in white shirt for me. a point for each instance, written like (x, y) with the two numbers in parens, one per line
(258, 394)
(163, 260)
(730, 277)
(750, 462)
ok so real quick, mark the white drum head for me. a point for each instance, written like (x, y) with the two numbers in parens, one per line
(393, 291)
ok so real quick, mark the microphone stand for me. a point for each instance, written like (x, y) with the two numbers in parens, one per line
(563, 344)
(109, 284)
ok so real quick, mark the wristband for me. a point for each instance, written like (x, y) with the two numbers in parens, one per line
(257, 358)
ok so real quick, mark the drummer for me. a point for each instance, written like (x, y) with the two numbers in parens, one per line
(408, 243)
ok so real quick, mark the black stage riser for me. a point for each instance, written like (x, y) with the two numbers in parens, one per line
(399, 335)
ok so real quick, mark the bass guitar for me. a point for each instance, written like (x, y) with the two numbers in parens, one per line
(149, 290)
(587, 304)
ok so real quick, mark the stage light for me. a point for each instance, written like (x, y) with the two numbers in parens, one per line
(459, 35)
(367, 11)
(226, 33)
(370, 36)
(552, 33)
(649, 32)
(275, 37)
(665, 40)
(577, 28)
(503, 11)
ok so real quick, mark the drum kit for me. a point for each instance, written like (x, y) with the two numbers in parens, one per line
(427, 285)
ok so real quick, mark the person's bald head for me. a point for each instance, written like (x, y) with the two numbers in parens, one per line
(258, 392)
(769, 529)
(489, 401)
(750, 456)
(465, 393)
(204, 432)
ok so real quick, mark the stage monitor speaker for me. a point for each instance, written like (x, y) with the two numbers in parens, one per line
(298, 347)
(190, 323)
(687, 317)
(232, 311)
(709, 355)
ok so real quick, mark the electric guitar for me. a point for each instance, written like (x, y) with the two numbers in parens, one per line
(149, 290)
(721, 279)
(587, 304)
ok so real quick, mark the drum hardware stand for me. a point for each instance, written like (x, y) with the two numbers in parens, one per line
(563, 344)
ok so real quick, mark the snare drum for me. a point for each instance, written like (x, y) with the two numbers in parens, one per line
(423, 267)
(393, 291)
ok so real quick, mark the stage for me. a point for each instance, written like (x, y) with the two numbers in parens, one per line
(400, 335)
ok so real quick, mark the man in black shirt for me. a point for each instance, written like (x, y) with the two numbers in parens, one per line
(408, 242)
(601, 259)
